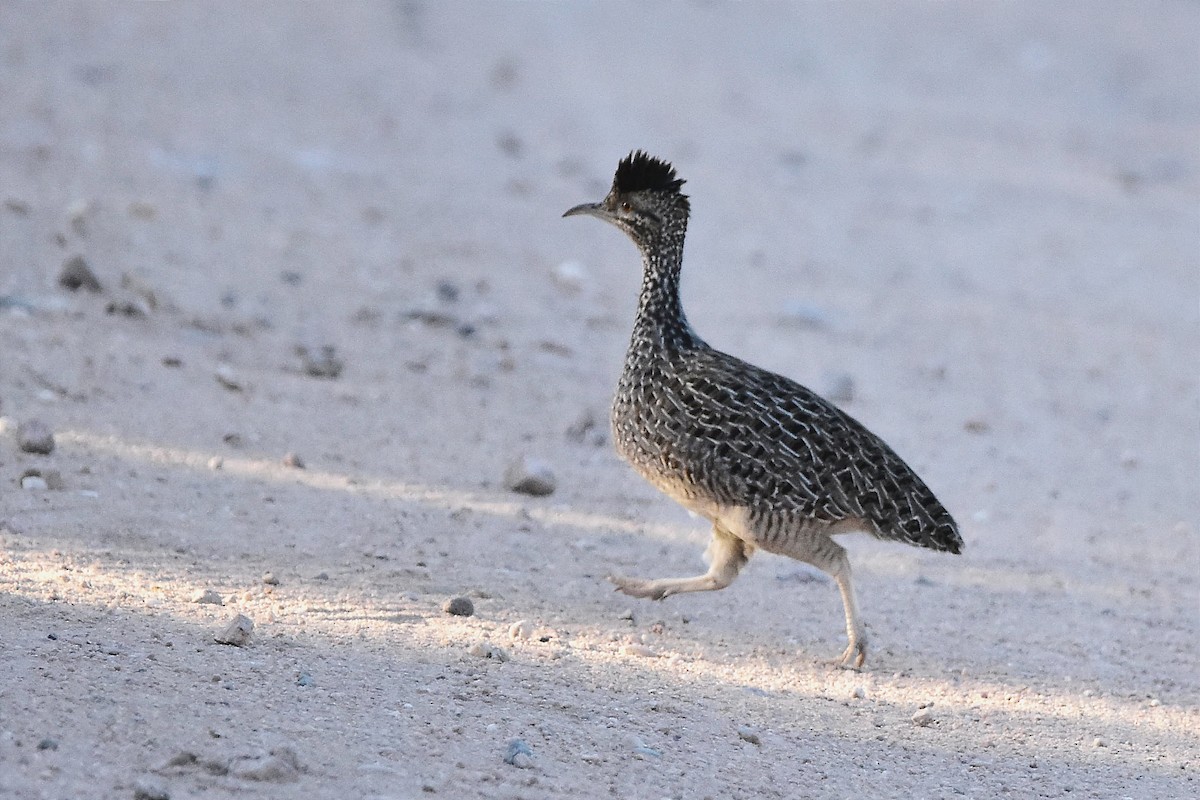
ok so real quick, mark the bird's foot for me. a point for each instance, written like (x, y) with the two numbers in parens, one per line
(853, 657)
(640, 587)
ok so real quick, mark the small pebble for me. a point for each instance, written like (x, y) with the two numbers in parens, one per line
(521, 629)
(237, 632)
(269, 579)
(923, 718)
(304, 679)
(127, 307)
(52, 479)
(323, 363)
(839, 387)
(489, 650)
(279, 766)
(34, 483)
(142, 209)
(519, 754)
(859, 693)
(459, 607)
(48, 744)
(292, 460)
(216, 462)
(1098, 742)
(208, 596)
(640, 749)
(805, 315)
(640, 650)
(447, 291)
(530, 476)
(571, 276)
(748, 734)
(77, 213)
(509, 144)
(149, 298)
(76, 275)
(228, 377)
(584, 424)
(35, 436)
(146, 789)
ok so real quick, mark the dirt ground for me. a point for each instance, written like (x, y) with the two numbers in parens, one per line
(978, 224)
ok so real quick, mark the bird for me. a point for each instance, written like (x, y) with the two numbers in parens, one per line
(770, 464)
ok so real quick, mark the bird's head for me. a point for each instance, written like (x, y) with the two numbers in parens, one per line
(644, 201)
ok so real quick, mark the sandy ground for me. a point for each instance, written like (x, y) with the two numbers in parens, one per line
(984, 216)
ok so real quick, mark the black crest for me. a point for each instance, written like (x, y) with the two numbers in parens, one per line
(639, 171)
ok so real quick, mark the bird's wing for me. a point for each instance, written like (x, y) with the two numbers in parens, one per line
(761, 440)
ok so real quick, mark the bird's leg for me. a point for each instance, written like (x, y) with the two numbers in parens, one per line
(855, 654)
(830, 557)
(727, 554)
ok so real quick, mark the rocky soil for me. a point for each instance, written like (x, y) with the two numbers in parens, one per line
(305, 482)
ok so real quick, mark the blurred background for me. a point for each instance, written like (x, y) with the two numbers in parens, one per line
(1002, 197)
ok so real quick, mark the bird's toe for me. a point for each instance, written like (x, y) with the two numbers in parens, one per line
(853, 657)
(637, 587)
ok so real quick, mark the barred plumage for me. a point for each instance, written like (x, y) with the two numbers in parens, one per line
(770, 463)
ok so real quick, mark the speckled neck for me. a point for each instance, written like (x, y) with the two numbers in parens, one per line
(661, 323)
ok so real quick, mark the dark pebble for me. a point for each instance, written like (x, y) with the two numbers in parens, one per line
(76, 275)
(459, 607)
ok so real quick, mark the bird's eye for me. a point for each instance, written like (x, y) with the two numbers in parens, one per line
(626, 206)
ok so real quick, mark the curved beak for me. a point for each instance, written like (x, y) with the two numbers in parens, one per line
(591, 209)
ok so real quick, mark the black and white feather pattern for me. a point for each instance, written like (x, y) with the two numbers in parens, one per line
(711, 429)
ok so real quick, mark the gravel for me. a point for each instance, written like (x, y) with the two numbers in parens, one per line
(839, 387)
(748, 734)
(208, 596)
(488, 650)
(149, 789)
(35, 436)
(43, 479)
(459, 607)
(281, 765)
(227, 376)
(34, 483)
(519, 754)
(237, 632)
(293, 461)
(321, 362)
(530, 476)
(571, 276)
(76, 275)
(641, 750)
(639, 650)
(923, 718)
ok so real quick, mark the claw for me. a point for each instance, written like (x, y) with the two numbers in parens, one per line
(636, 587)
(853, 657)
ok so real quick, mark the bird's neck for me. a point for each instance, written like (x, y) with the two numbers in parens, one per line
(660, 323)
